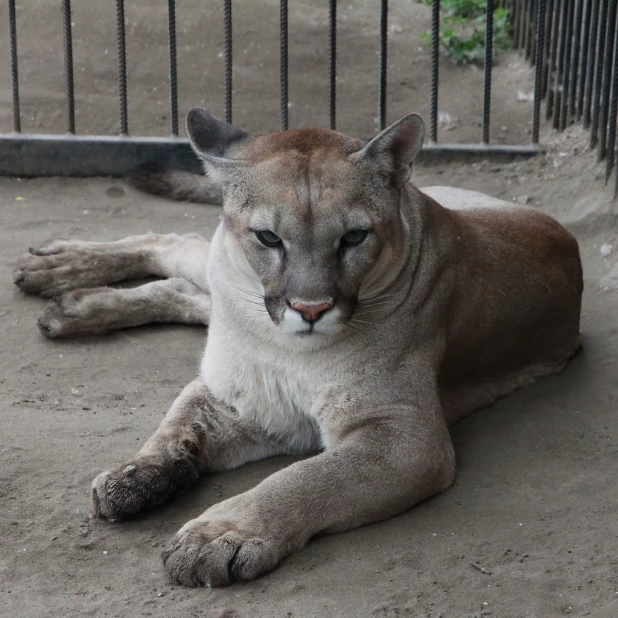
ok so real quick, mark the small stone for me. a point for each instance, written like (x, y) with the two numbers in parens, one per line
(606, 249)
(524, 96)
(524, 199)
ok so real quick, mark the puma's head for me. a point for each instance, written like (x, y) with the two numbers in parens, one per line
(311, 218)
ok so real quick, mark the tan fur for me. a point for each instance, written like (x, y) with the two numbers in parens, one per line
(451, 300)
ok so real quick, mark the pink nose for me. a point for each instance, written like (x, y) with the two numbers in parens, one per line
(312, 313)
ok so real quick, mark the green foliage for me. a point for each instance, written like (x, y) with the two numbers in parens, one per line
(462, 30)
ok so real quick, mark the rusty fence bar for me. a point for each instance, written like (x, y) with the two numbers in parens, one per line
(598, 73)
(489, 54)
(332, 69)
(383, 64)
(607, 79)
(68, 64)
(14, 72)
(571, 44)
(227, 26)
(173, 65)
(435, 62)
(283, 34)
(539, 68)
(122, 67)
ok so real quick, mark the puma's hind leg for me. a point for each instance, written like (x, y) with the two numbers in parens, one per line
(104, 309)
(63, 265)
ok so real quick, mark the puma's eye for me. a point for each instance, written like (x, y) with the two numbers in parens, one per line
(354, 238)
(268, 238)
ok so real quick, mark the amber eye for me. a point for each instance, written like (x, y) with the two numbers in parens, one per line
(354, 238)
(268, 238)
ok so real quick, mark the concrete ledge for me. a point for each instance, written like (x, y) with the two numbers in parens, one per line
(82, 156)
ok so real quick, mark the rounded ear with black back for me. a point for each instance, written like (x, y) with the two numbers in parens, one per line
(391, 152)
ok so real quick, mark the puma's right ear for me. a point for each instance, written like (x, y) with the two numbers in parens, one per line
(210, 136)
(211, 139)
(392, 151)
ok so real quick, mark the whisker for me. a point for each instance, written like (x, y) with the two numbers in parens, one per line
(244, 290)
(252, 302)
(373, 299)
(376, 304)
(377, 297)
(355, 329)
(361, 313)
(356, 321)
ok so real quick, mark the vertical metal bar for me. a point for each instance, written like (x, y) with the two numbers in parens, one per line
(521, 43)
(122, 67)
(522, 24)
(607, 76)
(489, 36)
(383, 63)
(579, 109)
(613, 117)
(547, 25)
(333, 64)
(553, 59)
(566, 65)
(531, 50)
(538, 69)
(14, 73)
(558, 83)
(598, 74)
(515, 18)
(435, 60)
(171, 31)
(577, 35)
(227, 27)
(283, 24)
(527, 29)
(68, 64)
(590, 63)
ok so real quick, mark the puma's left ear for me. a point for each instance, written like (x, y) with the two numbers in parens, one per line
(392, 151)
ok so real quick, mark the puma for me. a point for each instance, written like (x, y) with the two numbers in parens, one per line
(351, 317)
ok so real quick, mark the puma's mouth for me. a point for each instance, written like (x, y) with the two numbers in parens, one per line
(294, 324)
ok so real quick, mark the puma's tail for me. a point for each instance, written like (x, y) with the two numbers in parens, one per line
(175, 185)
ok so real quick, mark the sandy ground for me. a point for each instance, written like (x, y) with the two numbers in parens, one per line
(534, 502)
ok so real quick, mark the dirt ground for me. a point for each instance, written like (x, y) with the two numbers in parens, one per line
(536, 493)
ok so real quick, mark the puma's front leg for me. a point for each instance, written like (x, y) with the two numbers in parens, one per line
(198, 435)
(380, 463)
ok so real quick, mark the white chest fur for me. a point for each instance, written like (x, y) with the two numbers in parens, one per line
(261, 386)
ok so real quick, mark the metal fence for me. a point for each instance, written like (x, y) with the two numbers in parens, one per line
(571, 45)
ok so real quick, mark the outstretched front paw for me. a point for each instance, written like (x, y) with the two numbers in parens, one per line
(141, 484)
(218, 553)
